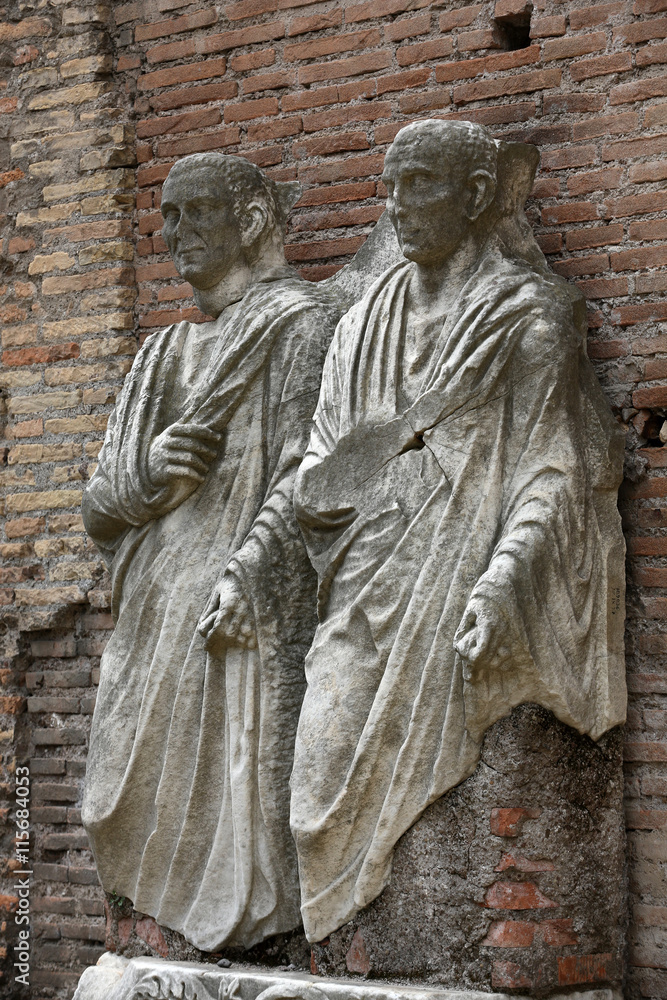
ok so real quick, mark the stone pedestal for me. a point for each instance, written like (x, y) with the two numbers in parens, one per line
(514, 880)
(116, 978)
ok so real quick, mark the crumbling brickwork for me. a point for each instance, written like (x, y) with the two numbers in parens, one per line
(314, 91)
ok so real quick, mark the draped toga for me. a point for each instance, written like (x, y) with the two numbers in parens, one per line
(486, 467)
(187, 798)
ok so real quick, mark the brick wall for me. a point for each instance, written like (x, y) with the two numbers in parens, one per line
(314, 91)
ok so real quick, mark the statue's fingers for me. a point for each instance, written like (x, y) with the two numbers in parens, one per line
(183, 471)
(206, 623)
(188, 460)
(198, 431)
(467, 623)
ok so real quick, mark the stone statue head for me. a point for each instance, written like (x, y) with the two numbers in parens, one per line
(223, 215)
(441, 179)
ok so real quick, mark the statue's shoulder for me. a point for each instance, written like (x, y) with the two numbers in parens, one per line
(553, 310)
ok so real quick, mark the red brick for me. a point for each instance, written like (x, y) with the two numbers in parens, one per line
(8, 104)
(510, 9)
(632, 260)
(279, 128)
(401, 81)
(521, 83)
(370, 62)
(641, 31)
(606, 125)
(21, 244)
(353, 166)
(102, 278)
(166, 317)
(649, 6)
(574, 103)
(27, 428)
(242, 36)
(593, 264)
(219, 139)
(550, 242)
(314, 22)
(647, 312)
(23, 526)
(640, 204)
(10, 705)
(567, 48)
(149, 932)
(588, 17)
(558, 933)
(182, 74)
(268, 81)
(178, 123)
(321, 249)
(39, 355)
(573, 156)
(25, 54)
(29, 27)
(547, 27)
(603, 288)
(333, 45)
(247, 110)
(345, 116)
(327, 144)
(516, 896)
(574, 211)
(654, 171)
(652, 229)
(381, 8)
(651, 54)
(508, 822)
(461, 18)
(406, 55)
(126, 62)
(646, 751)
(594, 180)
(408, 27)
(312, 221)
(194, 95)
(481, 38)
(596, 236)
(357, 959)
(617, 62)
(510, 934)
(410, 104)
(173, 26)
(639, 90)
(310, 99)
(337, 193)
(575, 969)
(508, 975)
(645, 145)
(253, 60)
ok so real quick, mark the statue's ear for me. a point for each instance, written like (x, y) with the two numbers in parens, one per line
(517, 165)
(288, 193)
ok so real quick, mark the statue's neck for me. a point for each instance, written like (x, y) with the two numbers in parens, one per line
(234, 285)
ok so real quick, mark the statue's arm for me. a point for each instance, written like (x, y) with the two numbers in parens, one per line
(272, 554)
(100, 517)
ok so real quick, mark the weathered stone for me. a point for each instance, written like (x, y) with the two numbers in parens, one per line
(438, 920)
(191, 505)
(459, 502)
(115, 978)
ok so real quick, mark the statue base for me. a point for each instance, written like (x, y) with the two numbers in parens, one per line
(117, 978)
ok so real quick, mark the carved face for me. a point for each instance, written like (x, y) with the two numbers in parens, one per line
(427, 203)
(200, 227)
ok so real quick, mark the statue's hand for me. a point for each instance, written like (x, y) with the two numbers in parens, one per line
(228, 619)
(179, 459)
(482, 640)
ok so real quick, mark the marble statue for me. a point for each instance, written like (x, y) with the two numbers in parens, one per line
(187, 800)
(458, 499)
